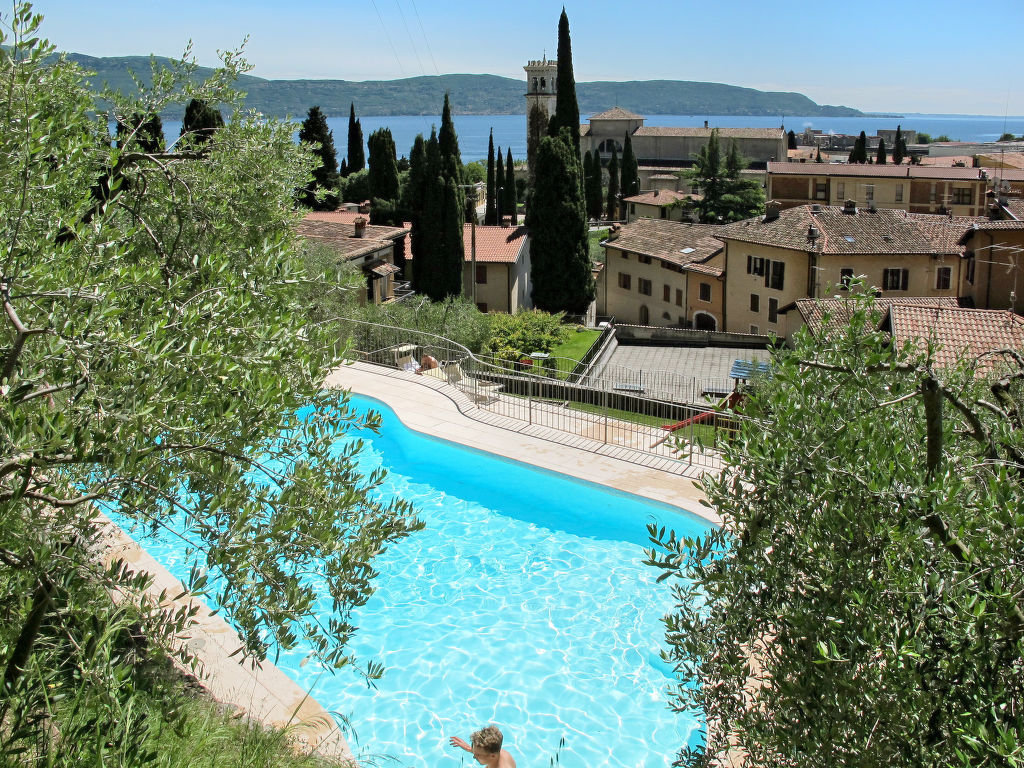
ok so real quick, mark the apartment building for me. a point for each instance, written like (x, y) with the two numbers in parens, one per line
(665, 273)
(913, 188)
(814, 250)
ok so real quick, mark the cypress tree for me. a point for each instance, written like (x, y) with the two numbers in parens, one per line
(200, 122)
(356, 155)
(510, 194)
(567, 110)
(314, 131)
(818, 158)
(588, 171)
(448, 143)
(559, 248)
(536, 127)
(343, 169)
(499, 190)
(630, 182)
(412, 200)
(899, 149)
(860, 148)
(880, 157)
(141, 133)
(453, 254)
(490, 206)
(595, 188)
(383, 165)
(791, 137)
(613, 186)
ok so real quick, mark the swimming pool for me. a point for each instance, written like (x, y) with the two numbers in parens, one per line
(522, 602)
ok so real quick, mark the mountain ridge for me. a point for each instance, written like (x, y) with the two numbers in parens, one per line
(471, 94)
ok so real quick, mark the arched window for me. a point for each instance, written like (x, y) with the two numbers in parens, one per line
(543, 83)
(608, 144)
(535, 84)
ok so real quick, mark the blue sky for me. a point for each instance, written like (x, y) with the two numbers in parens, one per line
(940, 56)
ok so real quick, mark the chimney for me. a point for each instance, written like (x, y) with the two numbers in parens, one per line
(655, 191)
(360, 225)
(813, 234)
(771, 210)
(705, 125)
(850, 208)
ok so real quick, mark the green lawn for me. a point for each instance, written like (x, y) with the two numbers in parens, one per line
(577, 345)
(703, 432)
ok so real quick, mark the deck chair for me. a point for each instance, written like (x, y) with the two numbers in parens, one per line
(482, 392)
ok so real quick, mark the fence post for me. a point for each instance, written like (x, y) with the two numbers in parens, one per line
(529, 398)
(604, 397)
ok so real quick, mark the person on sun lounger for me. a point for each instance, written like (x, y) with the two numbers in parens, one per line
(485, 745)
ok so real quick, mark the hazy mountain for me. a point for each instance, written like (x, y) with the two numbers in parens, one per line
(474, 94)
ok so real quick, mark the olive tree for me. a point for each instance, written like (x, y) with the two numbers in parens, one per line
(862, 602)
(155, 358)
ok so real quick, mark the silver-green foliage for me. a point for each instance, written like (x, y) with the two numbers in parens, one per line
(862, 604)
(155, 353)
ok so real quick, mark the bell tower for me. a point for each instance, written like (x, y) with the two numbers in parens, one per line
(540, 95)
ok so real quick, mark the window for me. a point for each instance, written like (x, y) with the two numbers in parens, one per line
(778, 275)
(845, 277)
(899, 193)
(895, 279)
(773, 310)
(755, 265)
(755, 330)
(679, 297)
(841, 190)
(625, 281)
(943, 278)
(755, 303)
(632, 209)
(970, 269)
(962, 196)
(644, 286)
(666, 293)
(820, 190)
(481, 274)
(625, 255)
(869, 192)
(931, 194)
(482, 306)
(705, 292)
(643, 259)
(664, 212)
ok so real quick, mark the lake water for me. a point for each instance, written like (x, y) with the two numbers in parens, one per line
(510, 130)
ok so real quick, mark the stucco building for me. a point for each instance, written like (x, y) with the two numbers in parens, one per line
(812, 251)
(661, 272)
(914, 188)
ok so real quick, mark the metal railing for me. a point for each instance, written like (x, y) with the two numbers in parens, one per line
(600, 409)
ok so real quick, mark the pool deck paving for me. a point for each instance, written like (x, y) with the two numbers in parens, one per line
(435, 408)
(262, 692)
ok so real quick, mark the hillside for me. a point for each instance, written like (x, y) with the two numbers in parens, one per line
(477, 94)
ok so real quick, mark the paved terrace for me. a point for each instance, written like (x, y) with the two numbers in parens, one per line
(431, 406)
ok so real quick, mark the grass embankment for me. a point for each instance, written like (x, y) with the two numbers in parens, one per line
(596, 249)
(577, 345)
(705, 433)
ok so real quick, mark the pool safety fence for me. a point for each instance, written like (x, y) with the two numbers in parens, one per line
(597, 409)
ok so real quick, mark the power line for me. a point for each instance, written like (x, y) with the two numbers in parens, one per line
(392, 45)
(409, 34)
(426, 41)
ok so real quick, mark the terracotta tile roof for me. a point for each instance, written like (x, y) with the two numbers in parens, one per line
(723, 133)
(341, 238)
(660, 197)
(667, 240)
(1009, 174)
(499, 245)
(827, 318)
(1015, 207)
(882, 231)
(344, 221)
(616, 113)
(990, 226)
(960, 333)
(877, 171)
(494, 245)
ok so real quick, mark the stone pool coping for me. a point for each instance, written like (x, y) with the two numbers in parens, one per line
(434, 408)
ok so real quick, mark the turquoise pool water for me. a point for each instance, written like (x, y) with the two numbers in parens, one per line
(522, 602)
